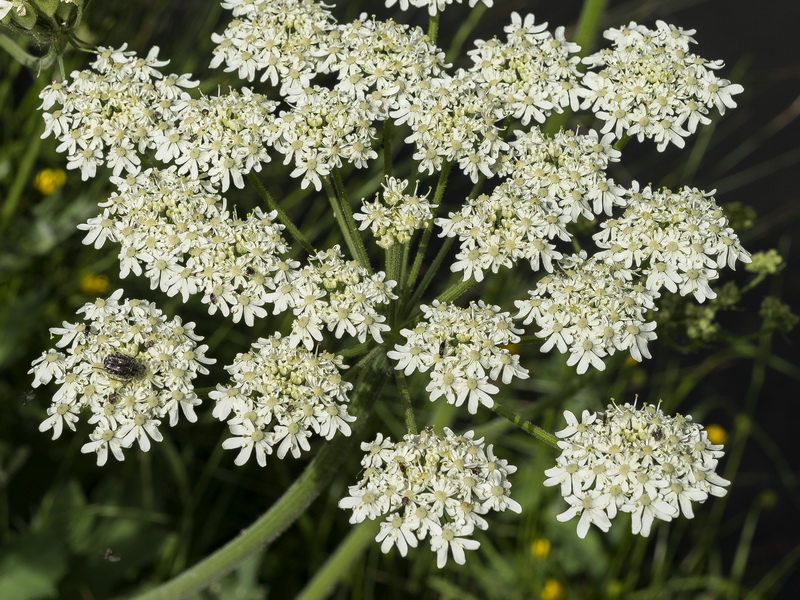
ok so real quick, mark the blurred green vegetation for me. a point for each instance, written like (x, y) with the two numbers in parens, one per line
(69, 529)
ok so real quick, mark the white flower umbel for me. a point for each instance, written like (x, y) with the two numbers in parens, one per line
(634, 460)
(129, 366)
(650, 86)
(280, 395)
(551, 182)
(591, 309)
(395, 217)
(679, 240)
(114, 112)
(463, 347)
(430, 486)
(434, 6)
(532, 74)
(334, 293)
(178, 232)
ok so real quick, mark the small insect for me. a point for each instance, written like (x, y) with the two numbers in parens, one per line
(27, 397)
(123, 366)
(604, 418)
(113, 397)
(110, 556)
(212, 298)
(658, 434)
(402, 466)
(405, 501)
(149, 344)
(250, 271)
(442, 348)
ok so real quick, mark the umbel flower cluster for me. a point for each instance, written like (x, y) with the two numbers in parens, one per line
(173, 153)
(430, 486)
(129, 366)
(279, 395)
(633, 460)
(463, 348)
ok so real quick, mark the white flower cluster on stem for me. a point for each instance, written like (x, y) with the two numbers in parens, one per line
(633, 460)
(394, 218)
(532, 74)
(177, 231)
(280, 395)
(650, 86)
(463, 348)
(430, 486)
(434, 6)
(331, 292)
(129, 366)
(111, 113)
(591, 309)
(552, 181)
(678, 240)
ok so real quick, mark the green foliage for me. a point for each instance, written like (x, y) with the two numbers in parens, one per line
(71, 530)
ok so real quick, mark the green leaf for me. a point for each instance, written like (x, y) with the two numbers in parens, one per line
(47, 7)
(28, 20)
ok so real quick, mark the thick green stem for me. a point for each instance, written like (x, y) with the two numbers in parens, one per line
(528, 427)
(347, 222)
(388, 134)
(454, 291)
(405, 399)
(622, 142)
(284, 218)
(426, 235)
(433, 27)
(338, 565)
(283, 513)
(437, 262)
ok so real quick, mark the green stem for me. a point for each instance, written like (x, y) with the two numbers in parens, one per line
(437, 262)
(284, 218)
(17, 53)
(622, 142)
(433, 27)
(388, 135)
(405, 399)
(528, 427)
(348, 223)
(586, 31)
(426, 235)
(454, 291)
(282, 514)
(339, 564)
(529, 339)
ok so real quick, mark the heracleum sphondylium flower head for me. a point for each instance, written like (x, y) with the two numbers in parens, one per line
(551, 182)
(178, 232)
(633, 460)
(434, 6)
(394, 217)
(129, 366)
(650, 86)
(334, 293)
(591, 309)
(532, 74)
(108, 114)
(430, 486)
(280, 395)
(463, 348)
(283, 40)
(678, 240)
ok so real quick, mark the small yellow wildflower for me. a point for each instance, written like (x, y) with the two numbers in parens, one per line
(540, 547)
(93, 284)
(716, 434)
(48, 180)
(552, 590)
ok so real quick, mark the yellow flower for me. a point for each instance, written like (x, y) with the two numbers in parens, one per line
(48, 180)
(552, 590)
(716, 434)
(93, 284)
(540, 547)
